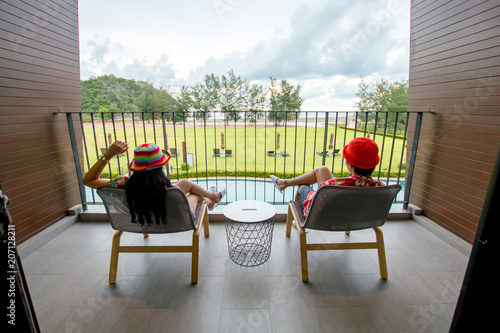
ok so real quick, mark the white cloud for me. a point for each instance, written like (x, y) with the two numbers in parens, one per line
(329, 94)
(326, 46)
(101, 61)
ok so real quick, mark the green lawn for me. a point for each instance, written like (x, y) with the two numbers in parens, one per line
(249, 147)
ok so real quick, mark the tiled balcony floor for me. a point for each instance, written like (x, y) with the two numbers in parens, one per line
(67, 278)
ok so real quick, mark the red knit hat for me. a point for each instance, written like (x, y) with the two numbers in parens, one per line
(362, 153)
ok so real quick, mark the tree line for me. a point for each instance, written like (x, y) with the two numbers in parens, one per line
(280, 101)
(229, 94)
(383, 96)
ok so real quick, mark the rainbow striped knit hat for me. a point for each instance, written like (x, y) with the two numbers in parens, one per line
(148, 156)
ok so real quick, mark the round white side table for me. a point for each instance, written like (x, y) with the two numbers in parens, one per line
(249, 231)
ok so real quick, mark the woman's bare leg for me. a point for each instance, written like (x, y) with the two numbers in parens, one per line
(193, 201)
(189, 187)
(297, 194)
(317, 175)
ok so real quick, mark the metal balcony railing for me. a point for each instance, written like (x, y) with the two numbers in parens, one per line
(240, 150)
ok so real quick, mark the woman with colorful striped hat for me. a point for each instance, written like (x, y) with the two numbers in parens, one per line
(146, 187)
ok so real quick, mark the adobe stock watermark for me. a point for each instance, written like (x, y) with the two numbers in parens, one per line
(370, 30)
(223, 6)
(11, 273)
(87, 313)
(254, 321)
(31, 27)
(421, 319)
(459, 113)
(63, 168)
(289, 283)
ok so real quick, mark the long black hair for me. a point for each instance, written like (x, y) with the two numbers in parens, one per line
(146, 192)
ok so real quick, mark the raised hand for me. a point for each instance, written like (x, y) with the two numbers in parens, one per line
(116, 148)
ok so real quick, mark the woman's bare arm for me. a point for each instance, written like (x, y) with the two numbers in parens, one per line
(93, 177)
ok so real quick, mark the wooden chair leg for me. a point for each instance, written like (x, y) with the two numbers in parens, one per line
(113, 265)
(303, 253)
(195, 246)
(381, 253)
(206, 230)
(289, 218)
(195, 256)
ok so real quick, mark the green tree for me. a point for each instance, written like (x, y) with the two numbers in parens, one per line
(383, 96)
(232, 94)
(91, 91)
(229, 94)
(255, 103)
(106, 112)
(153, 101)
(146, 101)
(205, 97)
(99, 93)
(109, 94)
(182, 105)
(285, 101)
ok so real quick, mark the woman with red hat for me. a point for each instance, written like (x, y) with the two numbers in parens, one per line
(361, 158)
(146, 187)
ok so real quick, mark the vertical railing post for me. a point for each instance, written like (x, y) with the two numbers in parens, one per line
(411, 166)
(165, 142)
(76, 159)
(325, 138)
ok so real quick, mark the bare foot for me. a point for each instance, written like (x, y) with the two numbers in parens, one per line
(281, 183)
(216, 196)
(213, 200)
(210, 203)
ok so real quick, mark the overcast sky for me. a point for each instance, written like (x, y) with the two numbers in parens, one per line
(323, 45)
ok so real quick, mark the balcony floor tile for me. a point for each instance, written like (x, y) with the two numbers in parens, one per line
(67, 278)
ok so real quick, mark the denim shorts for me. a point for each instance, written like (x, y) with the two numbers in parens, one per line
(304, 191)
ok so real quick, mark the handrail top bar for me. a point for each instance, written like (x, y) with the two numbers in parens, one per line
(309, 111)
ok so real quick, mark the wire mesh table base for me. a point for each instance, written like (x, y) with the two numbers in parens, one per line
(249, 244)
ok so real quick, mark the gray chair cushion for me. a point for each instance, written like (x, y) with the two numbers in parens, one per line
(179, 217)
(345, 208)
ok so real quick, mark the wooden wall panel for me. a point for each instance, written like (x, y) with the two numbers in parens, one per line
(39, 82)
(455, 80)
